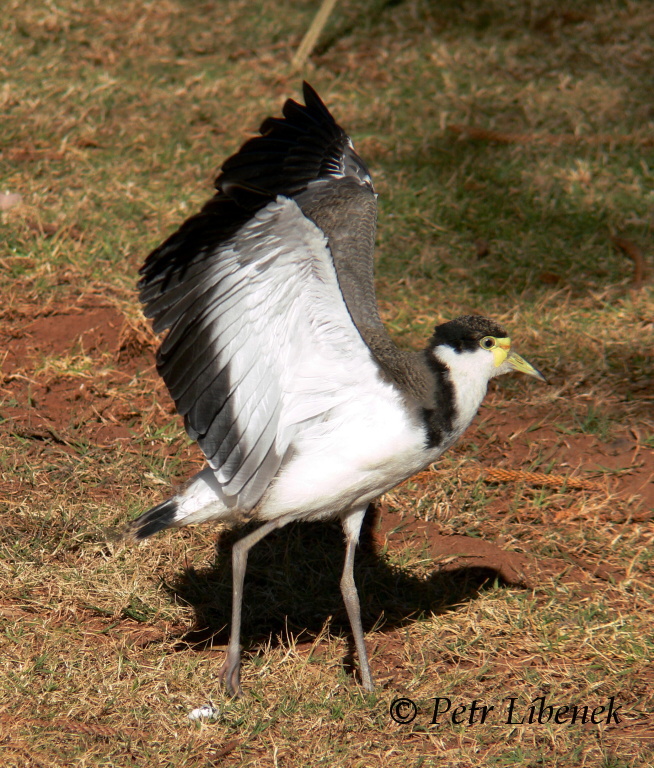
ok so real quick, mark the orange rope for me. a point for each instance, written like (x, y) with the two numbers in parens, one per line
(538, 478)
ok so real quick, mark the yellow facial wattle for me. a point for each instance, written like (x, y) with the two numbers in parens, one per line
(501, 351)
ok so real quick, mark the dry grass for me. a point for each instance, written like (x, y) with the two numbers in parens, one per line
(475, 584)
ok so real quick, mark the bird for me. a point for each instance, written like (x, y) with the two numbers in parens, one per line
(278, 360)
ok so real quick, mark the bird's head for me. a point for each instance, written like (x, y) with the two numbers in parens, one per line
(475, 346)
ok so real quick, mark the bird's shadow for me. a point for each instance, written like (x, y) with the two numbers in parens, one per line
(292, 588)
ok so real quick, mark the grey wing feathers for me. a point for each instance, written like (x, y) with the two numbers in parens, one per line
(240, 370)
(346, 212)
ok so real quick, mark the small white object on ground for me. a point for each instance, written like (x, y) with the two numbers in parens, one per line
(9, 200)
(204, 713)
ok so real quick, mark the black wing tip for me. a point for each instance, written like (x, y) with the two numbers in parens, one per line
(310, 94)
(294, 150)
(262, 164)
(313, 101)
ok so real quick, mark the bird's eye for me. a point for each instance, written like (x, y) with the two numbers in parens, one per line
(488, 342)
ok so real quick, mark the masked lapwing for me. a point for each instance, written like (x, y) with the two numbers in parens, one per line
(278, 360)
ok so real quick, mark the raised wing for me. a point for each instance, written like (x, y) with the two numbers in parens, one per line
(261, 340)
(292, 152)
(264, 345)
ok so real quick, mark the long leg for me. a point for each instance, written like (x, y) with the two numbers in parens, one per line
(352, 527)
(230, 672)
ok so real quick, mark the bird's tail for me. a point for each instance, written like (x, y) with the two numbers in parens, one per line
(158, 518)
(201, 500)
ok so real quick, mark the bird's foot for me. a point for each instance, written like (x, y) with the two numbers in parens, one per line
(230, 674)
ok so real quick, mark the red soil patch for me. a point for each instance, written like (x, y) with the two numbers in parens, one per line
(455, 552)
(525, 437)
(514, 436)
(89, 327)
(65, 373)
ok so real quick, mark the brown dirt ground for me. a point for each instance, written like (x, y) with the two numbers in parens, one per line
(105, 350)
(57, 404)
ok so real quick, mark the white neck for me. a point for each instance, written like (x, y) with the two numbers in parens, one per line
(469, 374)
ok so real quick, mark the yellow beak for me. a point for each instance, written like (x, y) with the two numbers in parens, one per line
(520, 364)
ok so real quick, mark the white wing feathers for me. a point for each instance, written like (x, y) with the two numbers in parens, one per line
(264, 344)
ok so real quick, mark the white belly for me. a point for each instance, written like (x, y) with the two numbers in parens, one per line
(348, 460)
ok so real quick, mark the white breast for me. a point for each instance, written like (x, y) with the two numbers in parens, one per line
(368, 445)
